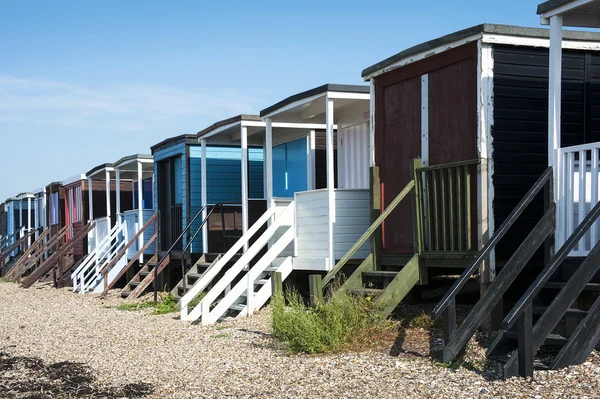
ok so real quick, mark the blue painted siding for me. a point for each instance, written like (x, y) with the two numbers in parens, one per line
(175, 150)
(224, 182)
(289, 168)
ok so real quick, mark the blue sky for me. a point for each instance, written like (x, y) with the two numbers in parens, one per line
(84, 83)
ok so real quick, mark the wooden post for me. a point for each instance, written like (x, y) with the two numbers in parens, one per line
(375, 199)
(204, 195)
(554, 111)
(329, 120)
(525, 350)
(417, 217)
(140, 206)
(244, 145)
(276, 283)
(316, 289)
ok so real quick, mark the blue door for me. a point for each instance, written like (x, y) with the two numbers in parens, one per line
(289, 168)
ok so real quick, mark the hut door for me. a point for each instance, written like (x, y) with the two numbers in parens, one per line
(164, 203)
(397, 141)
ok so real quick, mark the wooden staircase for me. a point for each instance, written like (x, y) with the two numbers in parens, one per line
(533, 321)
(56, 259)
(388, 283)
(146, 276)
(388, 286)
(41, 249)
(192, 275)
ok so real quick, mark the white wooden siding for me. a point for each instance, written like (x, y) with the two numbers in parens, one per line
(353, 156)
(351, 221)
(311, 224)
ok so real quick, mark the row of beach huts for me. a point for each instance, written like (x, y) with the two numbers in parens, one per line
(474, 154)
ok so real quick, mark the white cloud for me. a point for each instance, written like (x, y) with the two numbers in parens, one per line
(126, 107)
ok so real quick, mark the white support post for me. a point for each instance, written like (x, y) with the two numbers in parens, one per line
(36, 209)
(204, 195)
(20, 213)
(554, 115)
(140, 206)
(118, 193)
(311, 161)
(107, 181)
(91, 214)
(28, 221)
(244, 137)
(44, 209)
(268, 161)
(90, 200)
(329, 120)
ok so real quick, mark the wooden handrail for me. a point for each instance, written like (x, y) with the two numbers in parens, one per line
(37, 245)
(129, 244)
(15, 273)
(108, 286)
(491, 244)
(448, 165)
(367, 234)
(551, 268)
(46, 266)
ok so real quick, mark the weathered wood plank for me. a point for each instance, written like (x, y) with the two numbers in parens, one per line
(399, 287)
(493, 295)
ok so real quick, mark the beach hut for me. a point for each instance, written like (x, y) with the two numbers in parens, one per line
(179, 188)
(472, 108)
(116, 208)
(310, 221)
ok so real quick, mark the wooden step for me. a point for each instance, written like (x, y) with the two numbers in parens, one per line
(570, 312)
(537, 364)
(239, 307)
(144, 274)
(553, 339)
(560, 285)
(261, 281)
(125, 294)
(194, 276)
(380, 274)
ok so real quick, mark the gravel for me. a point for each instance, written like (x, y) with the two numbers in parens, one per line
(240, 358)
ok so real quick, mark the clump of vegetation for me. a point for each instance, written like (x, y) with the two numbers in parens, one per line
(425, 322)
(222, 335)
(132, 306)
(341, 321)
(3, 280)
(166, 304)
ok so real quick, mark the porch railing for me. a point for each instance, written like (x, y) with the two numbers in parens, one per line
(578, 193)
(444, 203)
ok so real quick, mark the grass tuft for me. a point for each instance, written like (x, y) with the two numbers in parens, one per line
(222, 335)
(166, 304)
(3, 280)
(131, 306)
(425, 322)
(341, 321)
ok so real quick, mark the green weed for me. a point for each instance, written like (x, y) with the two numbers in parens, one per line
(338, 322)
(223, 335)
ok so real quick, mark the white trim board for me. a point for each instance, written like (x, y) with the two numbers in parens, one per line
(486, 38)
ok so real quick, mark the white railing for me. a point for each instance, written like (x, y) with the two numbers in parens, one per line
(577, 194)
(133, 226)
(89, 274)
(98, 234)
(246, 285)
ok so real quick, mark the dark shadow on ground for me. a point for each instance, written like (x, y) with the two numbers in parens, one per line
(31, 378)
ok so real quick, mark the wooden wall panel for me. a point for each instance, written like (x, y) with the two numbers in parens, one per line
(398, 139)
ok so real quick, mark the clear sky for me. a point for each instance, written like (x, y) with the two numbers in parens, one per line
(87, 82)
